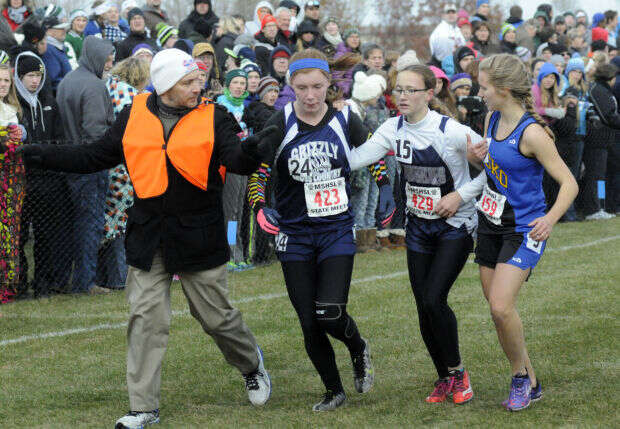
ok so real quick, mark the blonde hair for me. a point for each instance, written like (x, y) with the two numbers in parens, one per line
(228, 24)
(508, 72)
(309, 53)
(550, 97)
(11, 97)
(580, 85)
(133, 70)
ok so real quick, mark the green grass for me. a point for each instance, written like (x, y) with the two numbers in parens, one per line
(569, 310)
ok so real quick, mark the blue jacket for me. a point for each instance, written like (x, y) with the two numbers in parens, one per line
(56, 65)
(92, 29)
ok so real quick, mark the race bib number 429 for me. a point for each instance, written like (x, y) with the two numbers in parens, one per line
(422, 200)
(326, 198)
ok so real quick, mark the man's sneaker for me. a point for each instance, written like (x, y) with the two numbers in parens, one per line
(520, 394)
(363, 372)
(461, 388)
(258, 383)
(536, 392)
(600, 215)
(330, 401)
(137, 419)
(443, 387)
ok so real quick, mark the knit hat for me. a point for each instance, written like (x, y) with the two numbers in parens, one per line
(281, 53)
(409, 58)
(247, 53)
(464, 51)
(462, 21)
(545, 70)
(164, 32)
(32, 32)
(462, 13)
(202, 1)
(266, 20)
(481, 2)
(574, 64)
(133, 12)
(29, 63)
(540, 13)
(557, 59)
(599, 33)
(4, 57)
(265, 85)
(331, 19)
(128, 4)
(506, 28)
(170, 66)
(202, 48)
(367, 87)
(596, 18)
(233, 74)
(76, 14)
(523, 53)
(54, 22)
(460, 79)
(249, 66)
(103, 8)
(349, 32)
(141, 48)
(580, 14)
(184, 45)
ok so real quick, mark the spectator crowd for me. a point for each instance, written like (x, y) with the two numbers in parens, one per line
(65, 75)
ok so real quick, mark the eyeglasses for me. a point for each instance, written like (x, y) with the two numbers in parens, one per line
(407, 91)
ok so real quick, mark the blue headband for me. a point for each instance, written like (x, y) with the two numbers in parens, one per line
(308, 63)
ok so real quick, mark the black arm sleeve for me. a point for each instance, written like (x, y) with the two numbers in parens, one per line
(275, 139)
(228, 146)
(357, 131)
(104, 153)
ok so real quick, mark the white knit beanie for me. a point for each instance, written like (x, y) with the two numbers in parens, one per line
(170, 66)
(367, 87)
(409, 58)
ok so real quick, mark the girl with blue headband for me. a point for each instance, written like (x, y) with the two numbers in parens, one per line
(313, 222)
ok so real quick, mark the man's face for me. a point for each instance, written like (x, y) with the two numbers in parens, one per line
(137, 24)
(270, 30)
(570, 21)
(284, 20)
(237, 86)
(32, 80)
(313, 12)
(375, 59)
(185, 92)
(57, 33)
(280, 65)
(113, 15)
(450, 16)
(484, 9)
(202, 8)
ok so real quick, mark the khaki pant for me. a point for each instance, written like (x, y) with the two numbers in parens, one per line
(148, 293)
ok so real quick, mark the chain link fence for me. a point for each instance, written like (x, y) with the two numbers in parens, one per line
(64, 233)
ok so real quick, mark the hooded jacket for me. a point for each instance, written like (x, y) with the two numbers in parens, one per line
(227, 41)
(83, 98)
(253, 27)
(56, 62)
(41, 116)
(187, 26)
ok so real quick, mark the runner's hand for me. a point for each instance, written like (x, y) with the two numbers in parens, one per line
(542, 228)
(269, 220)
(448, 205)
(259, 144)
(387, 206)
(477, 151)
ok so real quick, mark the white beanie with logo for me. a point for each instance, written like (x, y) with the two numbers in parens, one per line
(170, 66)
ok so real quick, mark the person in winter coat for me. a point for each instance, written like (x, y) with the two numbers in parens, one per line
(481, 40)
(459, 62)
(278, 64)
(75, 36)
(262, 8)
(47, 202)
(482, 10)
(446, 37)
(311, 12)
(307, 36)
(55, 59)
(253, 71)
(154, 14)
(266, 42)
(616, 88)
(15, 12)
(351, 45)
(167, 35)
(203, 11)
(508, 44)
(373, 59)
(87, 113)
(112, 30)
(285, 35)
(96, 23)
(258, 112)
(137, 35)
(205, 53)
(331, 38)
(228, 30)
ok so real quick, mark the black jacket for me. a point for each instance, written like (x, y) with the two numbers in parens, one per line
(227, 41)
(187, 25)
(124, 47)
(257, 114)
(186, 222)
(605, 130)
(46, 127)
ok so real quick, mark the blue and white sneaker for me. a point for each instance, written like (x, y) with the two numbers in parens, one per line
(258, 383)
(520, 394)
(137, 419)
(536, 393)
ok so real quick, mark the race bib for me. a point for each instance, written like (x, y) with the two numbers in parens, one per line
(534, 245)
(422, 200)
(326, 198)
(492, 205)
(281, 242)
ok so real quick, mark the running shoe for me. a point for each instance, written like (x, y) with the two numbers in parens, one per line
(331, 401)
(258, 383)
(461, 388)
(363, 371)
(137, 419)
(520, 394)
(443, 387)
(536, 393)
(600, 215)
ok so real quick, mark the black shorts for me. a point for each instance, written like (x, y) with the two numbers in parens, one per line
(515, 249)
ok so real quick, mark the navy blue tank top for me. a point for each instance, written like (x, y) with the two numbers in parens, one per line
(513, 196)
(312, 188)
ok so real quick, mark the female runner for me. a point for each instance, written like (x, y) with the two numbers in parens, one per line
(315, 241)
(432, 152)
(513, 227)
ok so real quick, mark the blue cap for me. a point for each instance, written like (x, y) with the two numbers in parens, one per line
(574, 64)
(481, 2)
(596, 18)
(545, 70)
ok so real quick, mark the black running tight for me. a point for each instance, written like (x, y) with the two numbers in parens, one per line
(431, 277)
(319, 294)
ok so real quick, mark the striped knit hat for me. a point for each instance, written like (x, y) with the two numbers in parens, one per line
(164, 31)
(265, 85)
(460, 79)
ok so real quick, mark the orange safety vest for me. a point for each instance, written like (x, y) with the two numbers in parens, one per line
(189, 148)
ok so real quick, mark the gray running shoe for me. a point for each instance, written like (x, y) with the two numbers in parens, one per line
(363, 371)
(330, 401)
(137, 419)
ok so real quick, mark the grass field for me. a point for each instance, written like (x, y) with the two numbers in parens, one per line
(569, 309)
